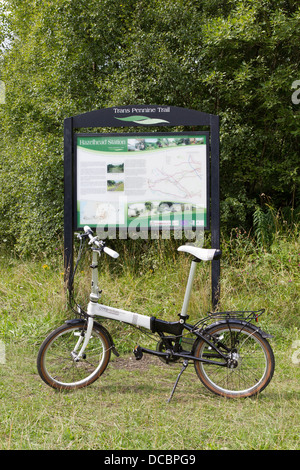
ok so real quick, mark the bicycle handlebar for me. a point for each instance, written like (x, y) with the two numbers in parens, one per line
(98, 243)
(110, 252)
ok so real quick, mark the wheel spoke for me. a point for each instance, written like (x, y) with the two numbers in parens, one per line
(58, 367)
(250, 365)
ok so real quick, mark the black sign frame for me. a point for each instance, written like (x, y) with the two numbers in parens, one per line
(142, 116)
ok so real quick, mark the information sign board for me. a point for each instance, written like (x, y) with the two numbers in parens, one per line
(143, 180)
(134, 186)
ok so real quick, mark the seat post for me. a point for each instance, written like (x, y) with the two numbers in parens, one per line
(188, 289)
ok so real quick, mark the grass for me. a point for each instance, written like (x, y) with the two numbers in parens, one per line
(126, 409)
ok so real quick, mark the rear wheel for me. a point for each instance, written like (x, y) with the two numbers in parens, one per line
(250, 361)
(58, 365)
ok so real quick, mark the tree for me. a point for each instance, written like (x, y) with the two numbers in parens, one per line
(64, 57)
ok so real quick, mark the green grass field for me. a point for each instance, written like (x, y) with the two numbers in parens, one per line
(127, 409)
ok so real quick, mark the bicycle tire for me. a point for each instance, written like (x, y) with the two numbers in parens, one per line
(252, 364)
(57, 367)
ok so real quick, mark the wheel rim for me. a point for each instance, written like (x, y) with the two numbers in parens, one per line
(60, 367)
(249, 364)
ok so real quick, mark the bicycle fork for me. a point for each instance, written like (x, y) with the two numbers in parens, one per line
(83, 337)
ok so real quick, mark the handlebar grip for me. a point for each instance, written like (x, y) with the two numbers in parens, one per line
(110, 252)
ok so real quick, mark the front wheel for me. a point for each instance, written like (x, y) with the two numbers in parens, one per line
(57, 364)
(250, 361)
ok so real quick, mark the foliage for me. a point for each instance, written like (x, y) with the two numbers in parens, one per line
(65, 57)
(264, 226)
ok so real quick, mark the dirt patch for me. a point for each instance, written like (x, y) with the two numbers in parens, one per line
(130, 362)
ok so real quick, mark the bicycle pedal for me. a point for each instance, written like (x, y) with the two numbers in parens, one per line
(138, 353)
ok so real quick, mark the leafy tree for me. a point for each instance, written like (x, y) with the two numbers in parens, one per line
(237, 59)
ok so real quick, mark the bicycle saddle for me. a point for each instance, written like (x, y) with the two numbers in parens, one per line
(204, 254)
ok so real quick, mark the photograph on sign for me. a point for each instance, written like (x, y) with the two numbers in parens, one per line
(142, 180)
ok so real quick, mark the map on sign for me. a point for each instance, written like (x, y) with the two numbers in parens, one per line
(152, 180)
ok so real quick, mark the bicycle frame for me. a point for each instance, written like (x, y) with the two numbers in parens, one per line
(95, 309)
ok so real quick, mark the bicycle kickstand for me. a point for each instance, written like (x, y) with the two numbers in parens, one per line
(184, 366)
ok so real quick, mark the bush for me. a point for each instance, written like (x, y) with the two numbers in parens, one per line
(31, 179)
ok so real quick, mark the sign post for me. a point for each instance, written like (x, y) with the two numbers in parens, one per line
(142, 182)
